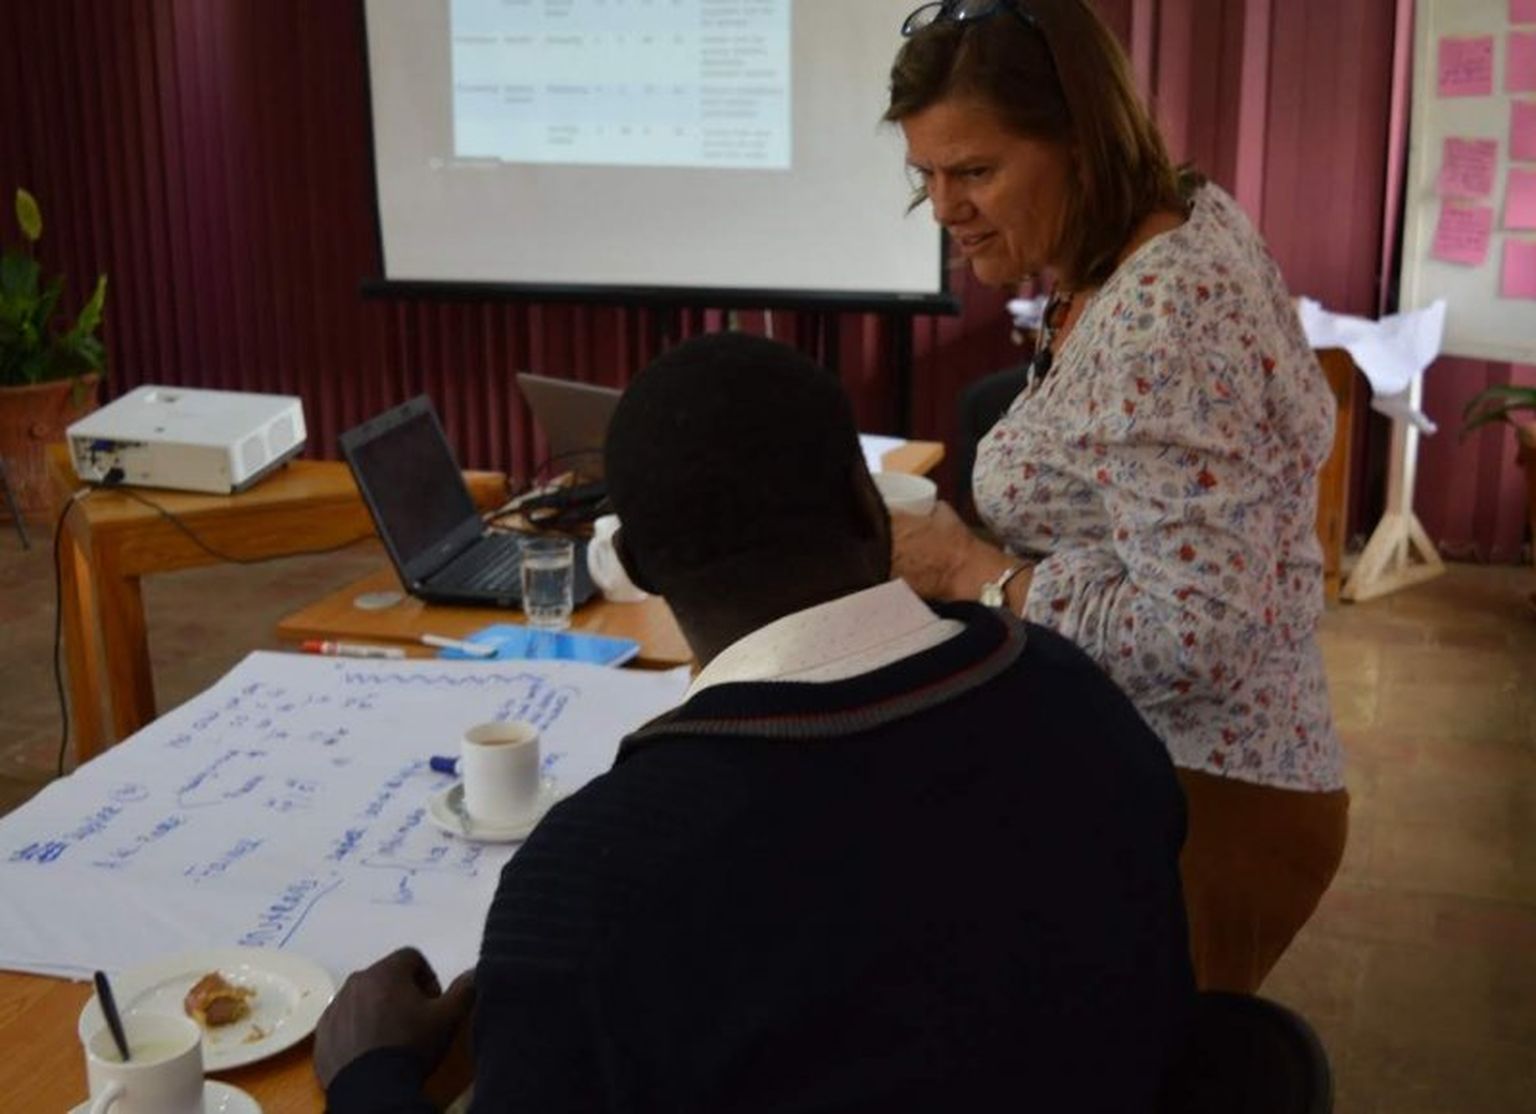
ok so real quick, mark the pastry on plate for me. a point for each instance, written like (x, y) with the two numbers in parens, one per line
(214, 1001)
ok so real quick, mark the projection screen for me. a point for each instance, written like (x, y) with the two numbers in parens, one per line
(720, 152)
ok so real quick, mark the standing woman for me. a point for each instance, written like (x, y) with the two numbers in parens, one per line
(1153, 489)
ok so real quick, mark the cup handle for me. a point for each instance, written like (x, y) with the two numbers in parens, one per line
(107, 1098)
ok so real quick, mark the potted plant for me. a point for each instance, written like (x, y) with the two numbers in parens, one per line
(1499, 404)
(49, 366)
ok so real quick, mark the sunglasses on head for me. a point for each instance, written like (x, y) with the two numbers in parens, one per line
(962, 11)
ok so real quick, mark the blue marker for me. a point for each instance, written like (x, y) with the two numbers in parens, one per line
(444, 764)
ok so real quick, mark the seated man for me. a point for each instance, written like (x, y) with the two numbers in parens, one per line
(886, 856)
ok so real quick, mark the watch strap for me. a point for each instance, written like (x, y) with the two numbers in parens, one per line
(993, 592)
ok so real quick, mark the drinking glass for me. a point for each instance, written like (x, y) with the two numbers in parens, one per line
(548, 574)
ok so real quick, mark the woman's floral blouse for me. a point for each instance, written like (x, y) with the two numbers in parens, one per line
(1166, 472)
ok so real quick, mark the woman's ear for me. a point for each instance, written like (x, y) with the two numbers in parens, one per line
(631, 563)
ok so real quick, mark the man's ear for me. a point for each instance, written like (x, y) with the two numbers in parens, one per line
(631, 563)
(874, 520)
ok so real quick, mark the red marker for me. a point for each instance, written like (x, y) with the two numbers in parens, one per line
(349, 649)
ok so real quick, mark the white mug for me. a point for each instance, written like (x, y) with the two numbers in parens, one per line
(164, 1072)
(499, 763)
(906, 493)
(606, 568)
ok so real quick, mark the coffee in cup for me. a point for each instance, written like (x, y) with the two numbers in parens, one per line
(162, 1075)
(499, 763)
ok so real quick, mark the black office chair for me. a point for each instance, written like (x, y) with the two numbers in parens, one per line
(1248, 1055)
(981, 404)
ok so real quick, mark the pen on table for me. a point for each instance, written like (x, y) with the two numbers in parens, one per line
(349, 649)
(473, 649)
(444, 764)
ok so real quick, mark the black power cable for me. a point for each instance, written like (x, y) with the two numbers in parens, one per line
(114, 483)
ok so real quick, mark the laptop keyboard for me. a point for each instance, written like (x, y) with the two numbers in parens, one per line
(492, 563)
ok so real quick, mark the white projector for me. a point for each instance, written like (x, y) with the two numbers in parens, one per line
(187, 439)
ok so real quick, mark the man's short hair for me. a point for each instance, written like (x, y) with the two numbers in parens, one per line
(731, 446)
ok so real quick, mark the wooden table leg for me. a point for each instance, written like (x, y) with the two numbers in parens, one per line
(125, 648)
(82, 651)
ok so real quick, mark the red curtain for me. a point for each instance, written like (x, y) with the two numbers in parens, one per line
(211, 157)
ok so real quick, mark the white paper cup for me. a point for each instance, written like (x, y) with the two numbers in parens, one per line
(164, 1074)
(906, 493)
(499, 763)
(604, 564)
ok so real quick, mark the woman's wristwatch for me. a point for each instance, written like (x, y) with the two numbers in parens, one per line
(992, 592)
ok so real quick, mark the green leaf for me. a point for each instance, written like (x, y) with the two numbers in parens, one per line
(1496, 404)
(90, 315)
(18, 276)
(28, 215)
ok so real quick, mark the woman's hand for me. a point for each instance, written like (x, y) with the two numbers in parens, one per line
(939, 556)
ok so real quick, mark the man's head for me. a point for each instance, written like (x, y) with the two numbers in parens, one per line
(734, 465)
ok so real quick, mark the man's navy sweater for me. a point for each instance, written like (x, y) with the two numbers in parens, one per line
(948, 884)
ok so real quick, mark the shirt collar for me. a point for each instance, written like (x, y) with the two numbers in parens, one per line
(853, 634)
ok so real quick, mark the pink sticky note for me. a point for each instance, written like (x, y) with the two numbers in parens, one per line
(1462, 235)
(1522, 129)
(1519, 279)
(1520, 64)
(1520, 199)
(1466, 67)
(1522, 11)
(1468, 167)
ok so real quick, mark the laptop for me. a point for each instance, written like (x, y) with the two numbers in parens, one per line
(423, 511)
(574, 418)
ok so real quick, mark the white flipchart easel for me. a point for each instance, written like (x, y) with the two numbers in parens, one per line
(1399, 553)
(1393, 353)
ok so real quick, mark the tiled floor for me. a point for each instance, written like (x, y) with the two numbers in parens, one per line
(1419, 970)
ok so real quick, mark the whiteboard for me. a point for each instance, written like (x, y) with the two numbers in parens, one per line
(1483, 320)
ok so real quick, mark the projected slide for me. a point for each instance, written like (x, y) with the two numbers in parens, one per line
(662, 83)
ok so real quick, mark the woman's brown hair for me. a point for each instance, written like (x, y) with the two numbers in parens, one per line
(1057, 75)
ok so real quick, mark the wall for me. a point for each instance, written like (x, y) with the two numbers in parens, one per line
(213, 160)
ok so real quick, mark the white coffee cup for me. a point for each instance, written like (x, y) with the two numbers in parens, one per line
(499, 763)
(906, 493)
(164, 1072)
(604, 564)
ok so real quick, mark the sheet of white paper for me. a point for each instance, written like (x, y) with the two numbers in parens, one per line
(285, 807)
(875, 447)
(1390, 352)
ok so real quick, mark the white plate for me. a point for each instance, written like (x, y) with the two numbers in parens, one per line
(291, 994)
(446, 810)
(218, 1098)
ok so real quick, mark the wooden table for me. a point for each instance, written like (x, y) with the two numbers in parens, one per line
(650, 623)
(916, 457)
(43, 1068)
(337, 616)
(112, 539)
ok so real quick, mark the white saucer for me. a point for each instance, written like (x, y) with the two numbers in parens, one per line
(218, 1098)
(446, 810)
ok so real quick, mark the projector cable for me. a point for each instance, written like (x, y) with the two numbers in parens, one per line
(114, 480)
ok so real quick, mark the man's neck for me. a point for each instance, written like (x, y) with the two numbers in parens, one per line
(712, 621)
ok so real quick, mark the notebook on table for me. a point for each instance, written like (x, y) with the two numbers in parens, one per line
(424, 513)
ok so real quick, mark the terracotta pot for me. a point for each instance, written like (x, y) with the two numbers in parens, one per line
(31, 418)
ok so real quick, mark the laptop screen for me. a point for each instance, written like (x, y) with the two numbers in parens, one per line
(574, 417)
(407, 473)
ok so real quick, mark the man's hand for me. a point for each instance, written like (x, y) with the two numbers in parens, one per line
(396, 1003)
